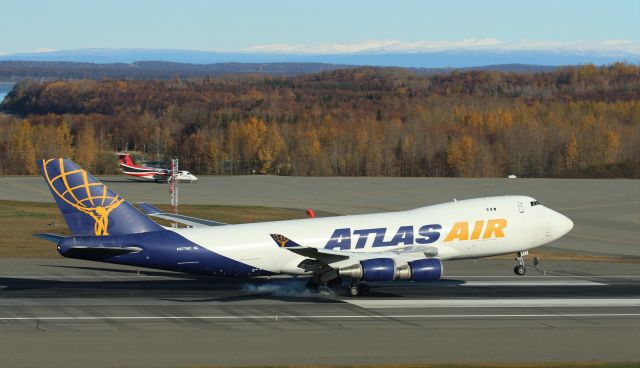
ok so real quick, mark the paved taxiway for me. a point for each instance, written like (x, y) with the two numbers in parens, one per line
(69, 313)
(606, 213)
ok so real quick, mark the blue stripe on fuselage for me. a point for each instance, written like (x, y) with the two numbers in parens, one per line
(164, 250)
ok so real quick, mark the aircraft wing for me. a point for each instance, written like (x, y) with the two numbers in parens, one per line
(186, 220)
(321, 259)
(325, 255)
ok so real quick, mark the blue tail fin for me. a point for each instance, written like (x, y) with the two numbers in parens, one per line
(88, 206)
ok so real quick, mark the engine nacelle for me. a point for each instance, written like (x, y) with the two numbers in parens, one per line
(384, 269)
(429, 269)
(376, 269)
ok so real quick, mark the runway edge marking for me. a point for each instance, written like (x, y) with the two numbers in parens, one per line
(496, 303)
(303, 317)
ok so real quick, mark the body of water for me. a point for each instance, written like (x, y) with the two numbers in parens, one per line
(5, 88)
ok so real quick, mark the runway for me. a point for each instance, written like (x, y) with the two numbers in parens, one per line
(77, 314)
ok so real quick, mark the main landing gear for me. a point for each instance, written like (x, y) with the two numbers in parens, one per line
(358, 289)
(317, 285)
(311, 286)
(520, 269)
(354, 289)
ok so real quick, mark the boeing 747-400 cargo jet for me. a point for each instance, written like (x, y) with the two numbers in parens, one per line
(405, 245)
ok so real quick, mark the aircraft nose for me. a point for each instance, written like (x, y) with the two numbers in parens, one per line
(561, 224)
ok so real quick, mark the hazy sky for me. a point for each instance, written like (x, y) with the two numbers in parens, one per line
(29, 25)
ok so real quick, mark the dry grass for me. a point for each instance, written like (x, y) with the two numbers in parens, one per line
(549, 254)
(20, 220)
(469, 365)
(239, 214)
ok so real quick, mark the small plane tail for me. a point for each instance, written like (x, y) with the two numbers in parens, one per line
(88, 206)
(125, 159)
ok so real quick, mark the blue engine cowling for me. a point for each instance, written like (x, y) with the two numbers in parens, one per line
(378, 269)
(429, 269)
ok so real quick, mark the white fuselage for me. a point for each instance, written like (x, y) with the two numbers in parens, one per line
(185, 177)
(456, 230)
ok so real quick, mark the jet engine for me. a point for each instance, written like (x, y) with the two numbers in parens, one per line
(429, 269)
(384, 269)
(376, 269)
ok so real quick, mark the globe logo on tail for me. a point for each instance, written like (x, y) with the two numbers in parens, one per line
(82, 192)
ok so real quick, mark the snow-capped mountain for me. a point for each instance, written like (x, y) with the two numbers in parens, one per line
(428, 54)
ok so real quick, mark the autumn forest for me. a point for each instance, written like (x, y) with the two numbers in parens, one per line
(569, 122)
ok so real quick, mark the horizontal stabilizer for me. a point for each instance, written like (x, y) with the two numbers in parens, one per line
(98, 253)
(50, 237)
(107, 250)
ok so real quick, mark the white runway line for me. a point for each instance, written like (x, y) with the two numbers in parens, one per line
(492, 303)
(90, 277)
(133, 275)
(448, 277)
(533, 283)
(319, 317)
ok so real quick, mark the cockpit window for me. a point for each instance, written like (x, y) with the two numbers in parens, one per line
(535, 203)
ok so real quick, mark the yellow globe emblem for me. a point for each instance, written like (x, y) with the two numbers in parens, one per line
(281, 239)
(87, 196)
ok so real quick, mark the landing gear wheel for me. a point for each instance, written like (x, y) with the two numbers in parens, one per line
(356, 290)
(520, 269)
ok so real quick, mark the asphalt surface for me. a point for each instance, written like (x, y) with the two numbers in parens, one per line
(66, 313)
(606, 213)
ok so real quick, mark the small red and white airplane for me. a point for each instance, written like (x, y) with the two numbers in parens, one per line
(149, 173)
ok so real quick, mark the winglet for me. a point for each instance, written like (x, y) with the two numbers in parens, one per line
(284, 242)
